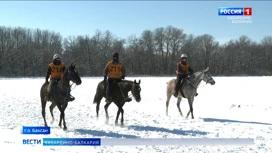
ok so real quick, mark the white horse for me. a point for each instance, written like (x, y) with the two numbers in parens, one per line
(188, 89)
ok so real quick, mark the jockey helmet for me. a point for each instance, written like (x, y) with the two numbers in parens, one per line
(56, 56)
(183, 56)
(115, 54)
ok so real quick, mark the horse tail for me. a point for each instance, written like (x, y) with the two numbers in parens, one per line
(94, 100)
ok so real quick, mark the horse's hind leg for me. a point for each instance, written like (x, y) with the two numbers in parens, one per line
(97, 100)
(167, 102)
(106, 110)
(117, 116)
(178, 105)
(51, 108)
(43, 111)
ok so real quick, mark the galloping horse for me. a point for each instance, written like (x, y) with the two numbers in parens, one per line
(61, 94)
(189, 89)
(119, 94)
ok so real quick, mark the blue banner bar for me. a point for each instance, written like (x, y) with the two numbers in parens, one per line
(35, 130)
(71, 141)
(230, 11)
(177, 141)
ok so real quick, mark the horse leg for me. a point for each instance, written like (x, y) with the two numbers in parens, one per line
(63, 116)
(122, 116)
(190, 101)
(167, 102)
(178, 105)
(51, 108)
(117, 116)
(97, 100)
(97, 109)
(106, 110)
(43, 110)
(61, 113)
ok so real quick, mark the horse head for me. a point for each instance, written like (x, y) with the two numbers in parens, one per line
(136, 90)
(73, 74)
(207, 77)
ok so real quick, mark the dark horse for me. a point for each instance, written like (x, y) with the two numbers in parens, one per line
(119, 93)
(189, 89)
(61, 94)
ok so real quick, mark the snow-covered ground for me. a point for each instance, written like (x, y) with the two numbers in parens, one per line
(216, 111)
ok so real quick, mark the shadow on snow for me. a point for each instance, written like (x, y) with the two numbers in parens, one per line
(103, 133)
(174, 131)
(231, 121)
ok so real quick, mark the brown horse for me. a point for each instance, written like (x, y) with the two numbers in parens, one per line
(120, 92)
(189, 89)
(62, 92)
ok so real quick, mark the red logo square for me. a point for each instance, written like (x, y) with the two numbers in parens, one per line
(247, 11)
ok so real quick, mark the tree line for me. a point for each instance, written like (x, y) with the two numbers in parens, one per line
(27, 52)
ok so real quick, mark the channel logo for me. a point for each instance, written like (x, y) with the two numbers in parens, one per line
(241, 11)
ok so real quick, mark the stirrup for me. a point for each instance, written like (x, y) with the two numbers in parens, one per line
(196, 94)
(128, 99)
(70, 98)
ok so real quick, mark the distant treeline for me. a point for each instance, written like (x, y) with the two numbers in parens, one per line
(27, 52)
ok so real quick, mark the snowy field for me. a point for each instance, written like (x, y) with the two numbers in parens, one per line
(216, 111)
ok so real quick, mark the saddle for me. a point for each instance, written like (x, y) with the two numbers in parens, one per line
(185, 80)
(55, 89)
(181, 85)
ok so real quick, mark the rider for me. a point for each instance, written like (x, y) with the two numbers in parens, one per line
(115, 72)
(182, 72)
(55, 71)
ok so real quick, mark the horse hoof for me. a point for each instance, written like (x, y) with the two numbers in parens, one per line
(52, 122)
(65, 128)
(107, 121)
(116, 123)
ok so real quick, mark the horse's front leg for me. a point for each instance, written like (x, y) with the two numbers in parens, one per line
(63, 115)
(122, 116)
(106, 110)
(190, 101)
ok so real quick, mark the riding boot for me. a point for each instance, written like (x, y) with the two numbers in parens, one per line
(108, 94)
(128, 99)
(176, 90)
(70, 98)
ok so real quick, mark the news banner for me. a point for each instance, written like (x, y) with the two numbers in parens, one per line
(236, 14)
(45, 131)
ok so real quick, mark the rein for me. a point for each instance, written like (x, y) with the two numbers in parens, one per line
(123, 93)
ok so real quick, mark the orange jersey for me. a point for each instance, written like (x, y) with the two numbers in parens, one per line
(114, 70)
(183, 67)
(56, 70)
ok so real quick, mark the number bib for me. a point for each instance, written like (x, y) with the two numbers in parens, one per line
(56, 71)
